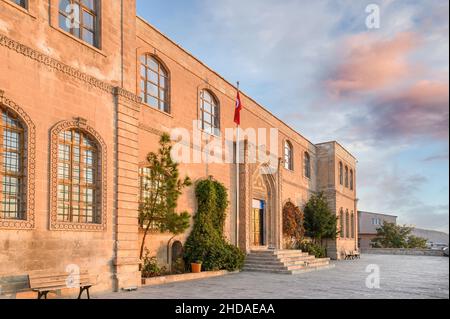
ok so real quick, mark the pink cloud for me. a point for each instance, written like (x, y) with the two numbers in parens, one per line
(422, 110)
(369, 63)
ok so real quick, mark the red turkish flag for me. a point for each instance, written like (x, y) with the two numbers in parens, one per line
(237, 112)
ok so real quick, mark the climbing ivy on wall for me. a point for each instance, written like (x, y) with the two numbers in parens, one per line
(206, 243)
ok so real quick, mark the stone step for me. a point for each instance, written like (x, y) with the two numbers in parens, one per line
(290, 272)
(266, 267)
(281, 257)
(276, 252)
(274, 264)
(301, 260)
(278, 261)
(281, 266)
(284, 262)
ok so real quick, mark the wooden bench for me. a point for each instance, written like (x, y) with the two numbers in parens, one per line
(356, 254)
(351, 255)
(43, 284)
(346, 254)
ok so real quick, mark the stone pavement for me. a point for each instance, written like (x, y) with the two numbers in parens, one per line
(401, 277)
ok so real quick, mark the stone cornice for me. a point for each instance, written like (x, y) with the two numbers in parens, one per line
(66, 69)
(120, 92)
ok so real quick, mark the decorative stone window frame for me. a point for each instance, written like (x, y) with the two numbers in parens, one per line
(81, 124)
(30, 132)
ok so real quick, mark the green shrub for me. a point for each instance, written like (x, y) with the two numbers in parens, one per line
(312, 249)
(179, 267)
(150, 266)
(206, 243)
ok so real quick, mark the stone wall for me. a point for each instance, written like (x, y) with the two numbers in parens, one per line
(399, 251)
(50, 78)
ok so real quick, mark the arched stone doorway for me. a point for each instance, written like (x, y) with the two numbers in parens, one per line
(177, 263)
(264, 211)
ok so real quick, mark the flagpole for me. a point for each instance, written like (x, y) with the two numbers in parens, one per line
(238, 137)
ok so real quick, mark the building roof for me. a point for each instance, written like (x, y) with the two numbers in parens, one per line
(233, 85)
(378, 214)
(340, 145)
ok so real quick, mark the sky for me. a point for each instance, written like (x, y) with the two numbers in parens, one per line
(383, 93)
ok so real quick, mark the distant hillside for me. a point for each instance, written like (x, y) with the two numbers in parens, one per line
(433, 236)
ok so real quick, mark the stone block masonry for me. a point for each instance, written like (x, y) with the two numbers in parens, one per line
(50, 81)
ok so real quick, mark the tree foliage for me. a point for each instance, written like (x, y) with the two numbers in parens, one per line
(206, 243)
(320, 221)
(163, 186)
(417, 242)
(391, 235)
(293, 219)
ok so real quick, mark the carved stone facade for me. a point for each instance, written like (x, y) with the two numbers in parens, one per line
(82, 125)
(30, 131)
(54, 82)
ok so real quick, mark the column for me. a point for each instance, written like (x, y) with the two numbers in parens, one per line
(126, 261)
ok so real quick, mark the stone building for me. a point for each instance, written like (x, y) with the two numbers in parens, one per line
(82, 105)
(368, 226)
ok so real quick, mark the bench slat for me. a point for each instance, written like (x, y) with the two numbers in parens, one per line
(57, 281)
(53, 288)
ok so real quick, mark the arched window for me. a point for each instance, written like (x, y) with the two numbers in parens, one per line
(209, 113)
(154, 83)
(352, 178)
(307, 165)
(341, 173)
(12, 167)
(148, 184)
(288, 156)
(346, 176)
(342, 223)
(352, 221)
(78, 179)
(80, 18)
(347, 224)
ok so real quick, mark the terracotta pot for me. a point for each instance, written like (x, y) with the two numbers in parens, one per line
(196, 268)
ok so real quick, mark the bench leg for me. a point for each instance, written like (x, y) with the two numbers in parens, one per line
(82, 289)
(42, 294)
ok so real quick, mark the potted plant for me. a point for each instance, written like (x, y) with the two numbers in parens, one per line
(196, 267)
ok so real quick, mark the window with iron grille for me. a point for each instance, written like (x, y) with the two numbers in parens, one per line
(78, 189)
(341, 173)
(352, 221)
(288, 156)
(154, 83)
(352, 178)
(342, 223)
(148, 191)
(12, 170)
(347, 224)
(79, 18)
(209, 113)
(307, 165)
(346, 176)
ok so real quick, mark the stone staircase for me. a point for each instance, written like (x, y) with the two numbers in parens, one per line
(289, 262)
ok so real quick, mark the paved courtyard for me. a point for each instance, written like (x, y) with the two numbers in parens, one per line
(401, 277)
